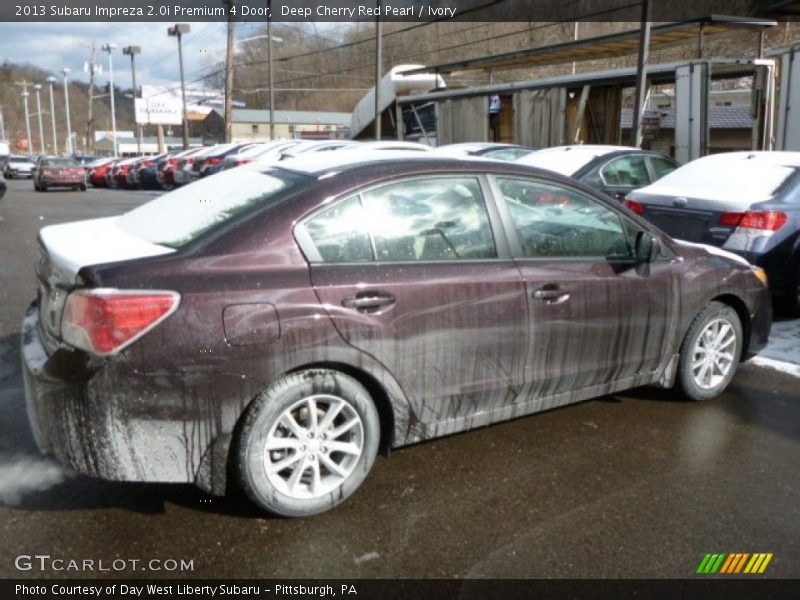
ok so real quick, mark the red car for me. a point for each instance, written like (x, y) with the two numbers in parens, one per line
(166, 169)
(96, 173)
(58, 172)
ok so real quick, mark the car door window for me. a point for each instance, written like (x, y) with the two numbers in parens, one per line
(442, 218)
(554, 221)
(339, 233)
(628, 171)
(662, 166)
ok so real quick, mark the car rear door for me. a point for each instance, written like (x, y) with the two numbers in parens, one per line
(415, 274)
(595, 316)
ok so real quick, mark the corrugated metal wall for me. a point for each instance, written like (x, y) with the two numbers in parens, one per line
(462, 120)
(539, 117)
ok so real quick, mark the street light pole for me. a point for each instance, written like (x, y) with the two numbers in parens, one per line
(25, 95)
(70, 149)
(110, 47)
(38, 89)
(51, 80)
(132, 51)
(178, 30)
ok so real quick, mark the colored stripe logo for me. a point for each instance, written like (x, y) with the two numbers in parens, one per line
(734, 563)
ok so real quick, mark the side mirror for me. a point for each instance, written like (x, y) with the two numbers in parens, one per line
(646, 247)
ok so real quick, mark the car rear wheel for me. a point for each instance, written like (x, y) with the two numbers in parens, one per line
(710, 352)
(307, 443)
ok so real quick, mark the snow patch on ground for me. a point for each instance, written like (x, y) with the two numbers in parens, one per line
(777, 365)
(23, 475)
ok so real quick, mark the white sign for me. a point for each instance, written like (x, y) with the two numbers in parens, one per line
(159, 110)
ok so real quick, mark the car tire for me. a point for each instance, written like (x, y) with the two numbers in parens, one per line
(710, 352)
(345, 416)
(42, 188)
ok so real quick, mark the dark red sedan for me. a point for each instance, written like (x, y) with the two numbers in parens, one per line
(58, 172)
(283, 324)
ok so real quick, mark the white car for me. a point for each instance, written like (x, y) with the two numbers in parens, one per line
(18, 166)
(260, 152)
(491, 150)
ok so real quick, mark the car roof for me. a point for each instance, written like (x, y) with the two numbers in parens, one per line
(326, 164)
(570, 159)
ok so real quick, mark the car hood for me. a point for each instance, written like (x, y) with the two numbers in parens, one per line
(72, 246)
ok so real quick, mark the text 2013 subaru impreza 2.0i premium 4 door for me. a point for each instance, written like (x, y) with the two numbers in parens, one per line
(277, 327)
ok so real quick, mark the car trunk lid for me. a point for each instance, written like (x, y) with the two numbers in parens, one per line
(65, 249)
(683, 217)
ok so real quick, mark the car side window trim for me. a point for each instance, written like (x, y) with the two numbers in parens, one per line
(498, 230)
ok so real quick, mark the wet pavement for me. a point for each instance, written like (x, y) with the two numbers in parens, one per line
(640, 484)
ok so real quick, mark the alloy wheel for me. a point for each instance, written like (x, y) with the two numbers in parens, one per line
(313, 446)
(714, 354)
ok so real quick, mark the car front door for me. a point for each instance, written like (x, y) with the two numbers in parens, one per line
(595, 316)
(412, 274)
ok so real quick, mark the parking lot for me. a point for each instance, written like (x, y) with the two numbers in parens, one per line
(640, 484)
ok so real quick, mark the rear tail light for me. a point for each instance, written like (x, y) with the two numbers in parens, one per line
(243, 161)
(213, 161)
(104, 322)
(148, 163)
(172, 162)
(766, 220)
(636, 207)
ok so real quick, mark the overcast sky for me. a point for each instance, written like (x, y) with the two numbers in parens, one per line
(52, 46)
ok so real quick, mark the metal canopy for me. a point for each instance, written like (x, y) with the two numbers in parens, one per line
(606, 46)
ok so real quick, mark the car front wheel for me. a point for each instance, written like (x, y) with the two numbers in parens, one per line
(307, 443)
(710, 352)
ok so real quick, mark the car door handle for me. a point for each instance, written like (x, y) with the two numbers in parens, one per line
(551, 295)
(369, 301)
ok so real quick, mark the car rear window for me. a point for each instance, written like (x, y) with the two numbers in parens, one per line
(180, 217)
(59, 162)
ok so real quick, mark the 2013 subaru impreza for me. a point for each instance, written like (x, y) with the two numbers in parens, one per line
(280, 325)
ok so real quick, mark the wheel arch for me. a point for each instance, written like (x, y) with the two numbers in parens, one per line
(737, 304)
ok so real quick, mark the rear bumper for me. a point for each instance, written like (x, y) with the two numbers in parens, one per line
(63, 181)
(106, 420)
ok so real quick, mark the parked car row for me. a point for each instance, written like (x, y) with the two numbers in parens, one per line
(170, 170)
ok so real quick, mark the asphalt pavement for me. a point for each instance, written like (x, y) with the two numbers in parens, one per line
(640, 484)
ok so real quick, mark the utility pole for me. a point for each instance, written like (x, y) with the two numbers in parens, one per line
(229, 69)
(378, 71)
(641, 74)
(70, 148)
(51, 80)
(93, 70)
(178, 30)
(25, 94)
(2, 125)
(132, 51)
(38, 89)
(110, 47)
(270, 73)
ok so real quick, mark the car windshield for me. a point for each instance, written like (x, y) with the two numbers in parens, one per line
(59, 162)
(182, 216)
(19, 159)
